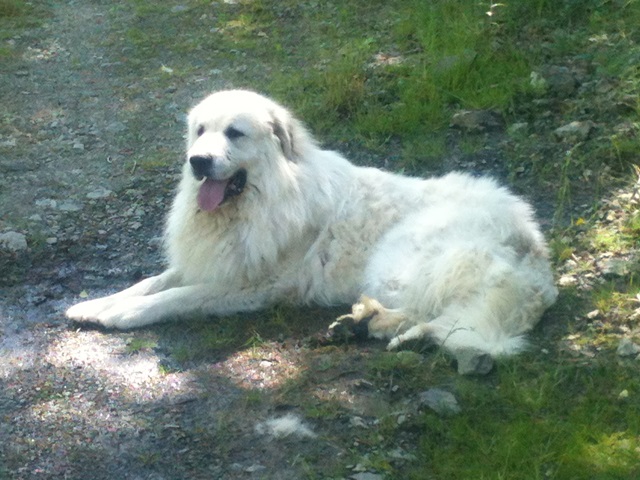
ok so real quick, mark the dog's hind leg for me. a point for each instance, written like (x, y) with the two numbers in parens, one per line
(369, 317)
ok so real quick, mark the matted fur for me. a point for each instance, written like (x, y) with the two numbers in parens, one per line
(457, 259)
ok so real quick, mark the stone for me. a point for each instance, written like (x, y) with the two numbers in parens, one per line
(440, 401)
(13, 241)
(473, 362)
(69, 206)
(99, 193)
(518, 128)
(575, 131)
(477, 120)
(366, 476)
(615, 267)
(626, 348)
(560, 81)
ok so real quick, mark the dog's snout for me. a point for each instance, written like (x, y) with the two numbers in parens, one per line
(201, 165)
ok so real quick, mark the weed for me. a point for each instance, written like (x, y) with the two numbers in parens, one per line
(11, 8)
(139, 344)
(539, 423)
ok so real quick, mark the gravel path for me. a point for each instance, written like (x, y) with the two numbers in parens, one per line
(89, 155)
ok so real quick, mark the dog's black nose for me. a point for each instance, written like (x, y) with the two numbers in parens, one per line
(201, 165)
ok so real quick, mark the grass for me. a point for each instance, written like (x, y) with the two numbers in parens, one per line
(16, 15)
(539, 422)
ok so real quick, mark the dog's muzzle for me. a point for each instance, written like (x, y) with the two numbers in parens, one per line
(214, 192)
(202, 166)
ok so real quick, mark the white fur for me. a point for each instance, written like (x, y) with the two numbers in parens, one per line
(286, 426)
(457, 259)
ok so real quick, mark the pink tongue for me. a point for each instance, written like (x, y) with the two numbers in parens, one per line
(211, 194)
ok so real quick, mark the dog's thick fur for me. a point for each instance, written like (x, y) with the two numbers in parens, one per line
(263, 215)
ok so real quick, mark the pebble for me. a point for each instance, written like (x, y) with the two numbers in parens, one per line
(626, 348)
(98, 193)
(615, 267)
(46, 203)
(575, 131)
(440, 401)
(358, 422)
(366, 476)
(69, 206)
(473, 362)
(560, 81)
(13, 241)
(477, 120)
(518, 128)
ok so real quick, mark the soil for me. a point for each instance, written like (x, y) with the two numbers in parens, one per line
(77, 182)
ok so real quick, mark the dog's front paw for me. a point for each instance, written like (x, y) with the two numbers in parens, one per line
(88, 311)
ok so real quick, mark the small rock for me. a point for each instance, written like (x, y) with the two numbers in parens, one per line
(98, 193)
(575, 131)
(518, 128)
(567, 280)
(13, 241)
(593, 314)
(255, 468)
(440, 401)
(399, 454)
(473, 362)
(78, 146)
(626, 348)
(366, 476)
(116, 127)
(46, 203)
(69, 206)
(614, 267)
(358, 422)
(477, 120)
(537, 82)
(560, 81)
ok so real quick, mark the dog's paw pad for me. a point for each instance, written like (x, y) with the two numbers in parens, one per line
(343, 327)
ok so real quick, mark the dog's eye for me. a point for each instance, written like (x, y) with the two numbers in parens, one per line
(200, 130)
(232, 133)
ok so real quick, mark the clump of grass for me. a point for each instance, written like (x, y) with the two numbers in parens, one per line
(557, 420)
(140, 343)
(14, 16)
(11, 8)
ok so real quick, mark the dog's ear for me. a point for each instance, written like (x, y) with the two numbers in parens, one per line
(286, 138)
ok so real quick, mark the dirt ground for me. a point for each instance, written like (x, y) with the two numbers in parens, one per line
(79, 184)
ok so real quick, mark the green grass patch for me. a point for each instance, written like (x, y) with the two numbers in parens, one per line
(539, 420)
(16, 15)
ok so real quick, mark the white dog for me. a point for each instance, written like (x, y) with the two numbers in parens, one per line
(263, 215)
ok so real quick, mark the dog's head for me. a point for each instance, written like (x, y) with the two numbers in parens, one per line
(235, 138)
